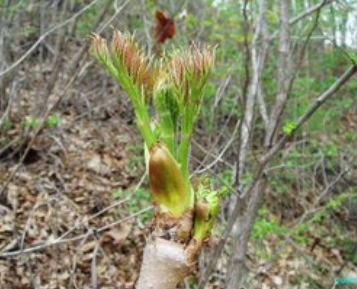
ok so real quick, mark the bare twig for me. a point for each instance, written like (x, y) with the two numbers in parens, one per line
(216, 159)
(75, 257)
(302, 50)
(146, 24)
(305, 14)
(57, 63)
(114, 205)
(262, 107)
(327, 190)
(222, 152)
(13, 94)
(73, 239)
(247, 59)
(214, 142)
(94, 266)
(118, 10)
(45, 35)
(310, 11)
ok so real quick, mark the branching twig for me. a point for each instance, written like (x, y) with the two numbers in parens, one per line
(45, 35)
(115, 204)
(264, 161)
(310, 11)
(222, 152)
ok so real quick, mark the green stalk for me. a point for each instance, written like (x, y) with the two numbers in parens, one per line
(144, 124)
(184, 150)
(168, 111)
(168, 136)
(183, 154)
(140, 109)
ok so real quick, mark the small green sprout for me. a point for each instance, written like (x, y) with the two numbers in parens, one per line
(289, 128)
(31, 122)
(5, 125)
(53, 120)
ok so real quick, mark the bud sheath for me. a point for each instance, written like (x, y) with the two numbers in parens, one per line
(167, 184)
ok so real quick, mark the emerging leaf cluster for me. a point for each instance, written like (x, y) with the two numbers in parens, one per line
(206, 208)
(176, 82)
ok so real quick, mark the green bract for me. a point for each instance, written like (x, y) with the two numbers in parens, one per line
(206, 209)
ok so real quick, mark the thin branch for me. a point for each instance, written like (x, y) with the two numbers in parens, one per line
(73, 239)
(49, 32)
(216, 159)
(94, 266)
(247, 53)
(305, 14)
(326, 95)
(43, 37)
(13, 93)
(115, 204)
(222, 152)
(325, 192)
(309, 11)
(301, 51)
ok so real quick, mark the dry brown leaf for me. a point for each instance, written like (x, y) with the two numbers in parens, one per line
(118, 235)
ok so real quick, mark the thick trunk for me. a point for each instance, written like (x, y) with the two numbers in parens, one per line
(164, 266)
(237, 269)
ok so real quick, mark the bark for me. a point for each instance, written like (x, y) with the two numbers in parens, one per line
(165, 265)
(247, 124)
(241, 237)
(258, 57)
(283, 74)
(5, 58)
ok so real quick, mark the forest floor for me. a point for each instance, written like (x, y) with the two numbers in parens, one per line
(74, 169)
(67, 213)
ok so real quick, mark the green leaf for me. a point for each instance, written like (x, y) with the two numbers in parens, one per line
(53, 120)
(31, 122)
(289, 128)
